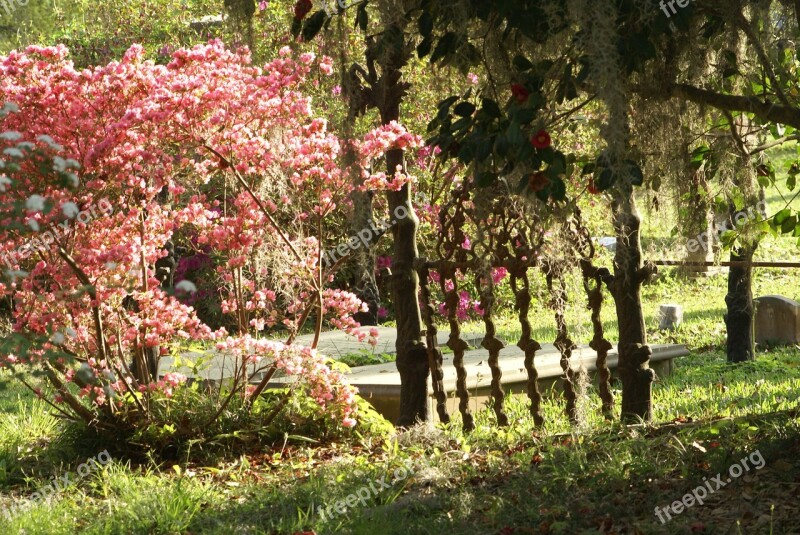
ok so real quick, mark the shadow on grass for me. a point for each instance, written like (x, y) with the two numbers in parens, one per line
(610, 480)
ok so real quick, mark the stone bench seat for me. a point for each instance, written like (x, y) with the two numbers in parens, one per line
(380, 383)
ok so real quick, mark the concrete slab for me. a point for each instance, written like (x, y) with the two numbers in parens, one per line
(338, 343)
(380, 384)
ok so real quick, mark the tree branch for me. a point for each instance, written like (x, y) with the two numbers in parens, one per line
(763, 110)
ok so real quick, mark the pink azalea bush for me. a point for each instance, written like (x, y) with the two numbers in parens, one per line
(249, 172)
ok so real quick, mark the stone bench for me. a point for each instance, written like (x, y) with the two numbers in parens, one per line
(216, 366)
(777, 320)
(380, 384)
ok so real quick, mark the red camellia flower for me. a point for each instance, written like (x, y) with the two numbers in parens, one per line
(301, 9)
(538, 181)
(520, 92)
(541, 140)
(592, 188)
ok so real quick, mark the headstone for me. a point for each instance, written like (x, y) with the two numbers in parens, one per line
(777, 320)
(669, 317)
(609, 242)
(208, 22)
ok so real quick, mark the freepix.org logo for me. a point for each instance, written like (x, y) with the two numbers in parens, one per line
(363, 237)
(7, 7)
(44, 241)
(332, 7)
(671, 3)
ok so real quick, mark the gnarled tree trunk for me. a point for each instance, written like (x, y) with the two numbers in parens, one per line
(739, 319)
(634, 353)
(412, 355)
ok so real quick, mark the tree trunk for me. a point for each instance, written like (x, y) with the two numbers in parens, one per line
(412, 355)
(634, 353)
(363, 265)
(739, 320)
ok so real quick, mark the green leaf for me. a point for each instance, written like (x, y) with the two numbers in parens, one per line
(465, 109)
(788, 225)
(485, 179)
(297, 26)
(635, 173)
(522, 63)
(424, 47)
(558, 190)
(467, 153)
(362, 17)
(501, 145)
(781, 216)
(524, 115)
(700, 154)
(491, 108)
(444, 47)
(605, 180)
(425, 23)
(313, 25)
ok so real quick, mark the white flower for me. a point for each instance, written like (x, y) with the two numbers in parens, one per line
(10, 136)
(13, 152)
(111, 265)
(35, 203)
(4, 182)
(70, 209)
(186, 286)
(33, 224)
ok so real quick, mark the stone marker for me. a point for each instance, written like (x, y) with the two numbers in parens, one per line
(777, 320)
(669, 316)
(609, 242)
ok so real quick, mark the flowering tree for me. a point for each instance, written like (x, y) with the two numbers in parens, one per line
(207, 146)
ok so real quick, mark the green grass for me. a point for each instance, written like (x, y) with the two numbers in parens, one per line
(555, 480)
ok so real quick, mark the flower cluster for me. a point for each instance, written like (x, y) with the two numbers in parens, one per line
(132, 131)
(388, 137)
(325, 385)
(466, 306)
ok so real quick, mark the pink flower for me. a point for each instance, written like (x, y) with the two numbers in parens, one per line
(498, 274)
(326, 65)
(349, 422)
(383, 262)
